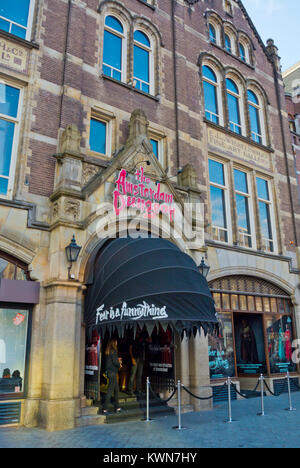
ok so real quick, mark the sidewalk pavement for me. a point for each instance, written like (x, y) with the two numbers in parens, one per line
(277, 429)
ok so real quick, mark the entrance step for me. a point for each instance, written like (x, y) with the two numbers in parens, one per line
(89, 416)
(90, 420)
(135, 409)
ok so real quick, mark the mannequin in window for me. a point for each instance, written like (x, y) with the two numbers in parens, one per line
(248, 344)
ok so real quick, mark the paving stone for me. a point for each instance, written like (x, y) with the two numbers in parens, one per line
(278, 428)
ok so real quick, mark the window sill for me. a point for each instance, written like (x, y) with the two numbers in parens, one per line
(152, 7)
(240, 137)
(132, 88)
(244, 250)
(233, 56)
(19, 40)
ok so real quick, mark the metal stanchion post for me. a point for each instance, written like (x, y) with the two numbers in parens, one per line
(289, 391)
(262, 395)
(230, 420)
(179, 427)
(148, 401)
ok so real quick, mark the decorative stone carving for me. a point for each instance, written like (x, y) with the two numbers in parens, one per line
(72, 208)
(55, 210)
(89, 170)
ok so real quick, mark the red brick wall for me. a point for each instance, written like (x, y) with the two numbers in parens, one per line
(84, 46)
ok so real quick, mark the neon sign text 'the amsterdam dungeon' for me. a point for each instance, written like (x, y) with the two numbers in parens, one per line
(139, 195)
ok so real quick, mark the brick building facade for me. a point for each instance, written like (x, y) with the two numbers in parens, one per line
(209, 111)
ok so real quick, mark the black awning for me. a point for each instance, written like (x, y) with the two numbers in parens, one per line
(144, 281)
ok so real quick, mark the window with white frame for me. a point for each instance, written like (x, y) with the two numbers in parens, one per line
(230, 41)
(219, 201)
(234, 106)
(16, 17)
(228, 44)
(100, 135)
(143, 67)
(256, 117)
(210, 89)
(158, 149)
(266, 215)
(244, 50)
(114, 49)
(214, 31)
(244, 210)
(10, 106)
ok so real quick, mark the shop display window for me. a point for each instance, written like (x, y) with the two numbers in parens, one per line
(221, 349)
(13, 340)
(249, 343)
(258, 318)
(280, 338)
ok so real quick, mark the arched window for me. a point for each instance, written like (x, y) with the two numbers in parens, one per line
(233, 100)
(212, 34)
(12, 268)
(228, 46)
(210, 85)
(142, 62)
(254, 111)
(114, 49)
(242, 52)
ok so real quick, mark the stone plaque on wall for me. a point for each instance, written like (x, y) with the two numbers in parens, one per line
(224, 144)
(13, 55)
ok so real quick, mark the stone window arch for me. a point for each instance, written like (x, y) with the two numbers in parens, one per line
(214, 27)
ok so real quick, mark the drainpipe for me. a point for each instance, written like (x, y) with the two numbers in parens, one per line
(175, 84)
(65, 61)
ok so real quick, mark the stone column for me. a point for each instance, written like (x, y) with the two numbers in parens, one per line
(35, 370)
(199, 372)
(60, 402)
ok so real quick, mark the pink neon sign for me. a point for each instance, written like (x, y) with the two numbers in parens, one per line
(140, 195)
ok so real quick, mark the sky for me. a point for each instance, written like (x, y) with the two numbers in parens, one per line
(278, 20)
